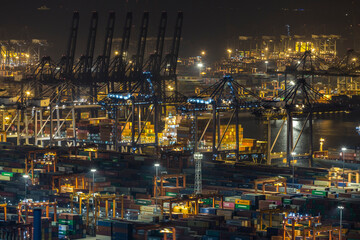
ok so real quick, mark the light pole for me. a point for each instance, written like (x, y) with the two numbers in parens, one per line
(322, 140)
(266, 66)
(200, 65)
(25, 176)
(229, 51)
(93, 170)
(293, 168)
(156, 165)
(343, 158)
(341, 208)
(27, 96)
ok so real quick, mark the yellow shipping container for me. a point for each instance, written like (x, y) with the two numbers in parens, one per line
(242, 202)
(18, 170)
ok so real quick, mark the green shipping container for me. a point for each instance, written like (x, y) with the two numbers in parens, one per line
(7, 174)
(241, 206)
(319, 193)
(62, 221)
(207, 201)
(67, 222)
(170, 194)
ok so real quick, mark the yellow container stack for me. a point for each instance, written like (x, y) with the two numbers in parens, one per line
(229, 140)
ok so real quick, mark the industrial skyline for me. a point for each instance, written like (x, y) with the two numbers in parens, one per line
(209, 24)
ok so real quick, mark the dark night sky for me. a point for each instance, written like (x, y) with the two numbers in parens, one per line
(207, 24)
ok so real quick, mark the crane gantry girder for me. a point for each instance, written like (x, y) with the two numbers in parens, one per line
(118, 66)
(138, 58)
(154, 62)
(83, 68)
(64, 68)
(102, 63)
(224, 95)
(169, 64)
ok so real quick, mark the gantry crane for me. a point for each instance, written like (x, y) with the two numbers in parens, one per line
(336, 175)
(69, 87)
(119, 65)
(226, 95)
(293, 220)
(276, 181)
(73, 183)
(45, 157)
(159, 189)
(95, 200)
(271, 212)
(191, 203)
(300, 98)
(26, 208)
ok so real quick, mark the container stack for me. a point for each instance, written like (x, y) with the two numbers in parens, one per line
(71, 226)
(122, 230)
(229, 140)
(117, 230)
(148, 134)
(103, 227)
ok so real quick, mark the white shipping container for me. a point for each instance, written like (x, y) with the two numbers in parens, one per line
(61, 169)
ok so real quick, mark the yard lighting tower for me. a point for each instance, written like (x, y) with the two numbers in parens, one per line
(93, 170)
(198, 175)
(266, 66)
(25, 176)
(200, 66)
(156, 165)
(343, 158)
(341, 208)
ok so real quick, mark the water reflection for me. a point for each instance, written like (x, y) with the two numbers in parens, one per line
(337, 129)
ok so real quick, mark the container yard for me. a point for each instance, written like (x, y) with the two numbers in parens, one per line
(122, 196)
(127, 137)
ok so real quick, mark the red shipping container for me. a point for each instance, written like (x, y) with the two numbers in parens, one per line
(229, 205)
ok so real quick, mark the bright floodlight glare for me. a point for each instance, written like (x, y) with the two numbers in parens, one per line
(157, 165)
(93, 170)
(341, 207)
(266, 62)
(343, 149)
(200, 65)
(293, 153)
(25, 176)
